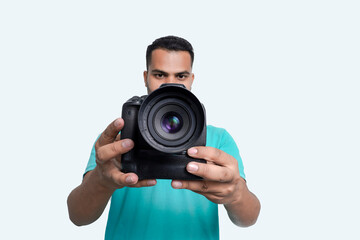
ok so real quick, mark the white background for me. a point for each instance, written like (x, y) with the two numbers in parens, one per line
(281, 76)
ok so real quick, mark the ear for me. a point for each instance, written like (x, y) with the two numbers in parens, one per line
(192, 80)
(145, 78)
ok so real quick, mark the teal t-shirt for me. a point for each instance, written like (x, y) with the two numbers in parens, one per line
(161, 212)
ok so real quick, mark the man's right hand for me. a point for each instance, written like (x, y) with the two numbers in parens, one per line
(87, 202)
(109, 149)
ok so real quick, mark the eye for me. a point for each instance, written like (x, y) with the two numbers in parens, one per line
(159, 75)
(182, 76)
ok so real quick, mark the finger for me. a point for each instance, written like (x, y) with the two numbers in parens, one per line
(210, 172)
(114, 149)
(110, 133)
(145, 183)
(131, 180)
(202, 187)
(211, 154)
(118, 157)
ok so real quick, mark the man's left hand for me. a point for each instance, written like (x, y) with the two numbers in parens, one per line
(222, 183)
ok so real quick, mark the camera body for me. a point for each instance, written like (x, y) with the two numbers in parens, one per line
(163, 125)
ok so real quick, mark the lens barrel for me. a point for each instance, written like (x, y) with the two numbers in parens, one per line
(171, 119)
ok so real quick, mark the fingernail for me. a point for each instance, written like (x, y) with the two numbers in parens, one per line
(151, 182)
(117, 122)
(192, 151)
(127, 143)
(177, 184)
(192, 167)
(129, 179)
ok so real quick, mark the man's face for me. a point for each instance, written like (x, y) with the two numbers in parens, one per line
(168, 67)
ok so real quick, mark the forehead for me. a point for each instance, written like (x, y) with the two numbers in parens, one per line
(168, 60)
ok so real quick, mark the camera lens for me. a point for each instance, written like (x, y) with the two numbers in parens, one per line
(171, 122)
(171, 119)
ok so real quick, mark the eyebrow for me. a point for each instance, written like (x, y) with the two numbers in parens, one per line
(165, 73)
(158, 71)
(183, 73)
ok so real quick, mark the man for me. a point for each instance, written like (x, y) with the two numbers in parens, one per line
(164, 209)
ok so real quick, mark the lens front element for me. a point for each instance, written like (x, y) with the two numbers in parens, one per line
(171, 122)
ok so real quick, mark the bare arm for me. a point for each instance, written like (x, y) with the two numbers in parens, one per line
(222, 184)
(87, 202)
(244, 211)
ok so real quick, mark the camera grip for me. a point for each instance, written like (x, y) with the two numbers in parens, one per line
(153, 164)
(129, 114)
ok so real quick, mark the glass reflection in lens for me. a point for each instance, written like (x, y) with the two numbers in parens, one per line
(171, 122)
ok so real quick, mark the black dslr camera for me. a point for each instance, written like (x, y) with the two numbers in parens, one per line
(163, 125)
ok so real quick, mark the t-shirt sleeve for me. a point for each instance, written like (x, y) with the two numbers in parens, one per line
(91, 163)
(228, 145)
